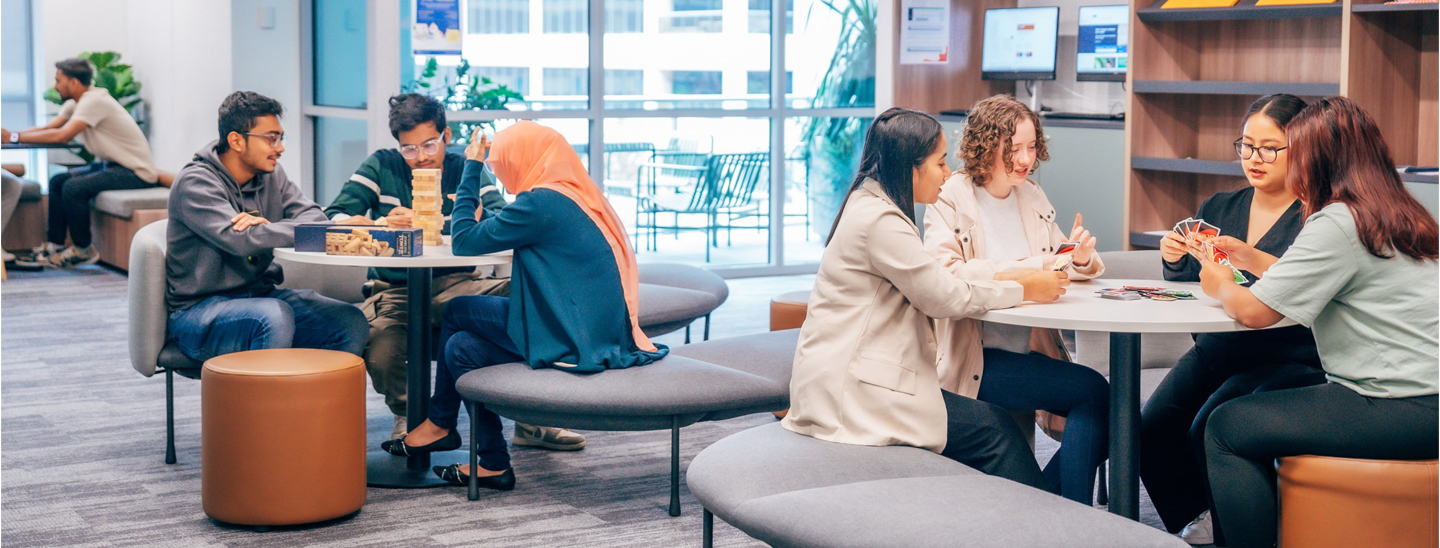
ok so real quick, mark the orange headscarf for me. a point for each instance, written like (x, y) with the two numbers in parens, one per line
(527, 156)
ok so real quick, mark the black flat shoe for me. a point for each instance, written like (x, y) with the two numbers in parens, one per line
(397, 446)
(502, 482)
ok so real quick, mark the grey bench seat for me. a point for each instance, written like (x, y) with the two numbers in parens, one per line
(123, 203)
(792, 490)
(669, 394)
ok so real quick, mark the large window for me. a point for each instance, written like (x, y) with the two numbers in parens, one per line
(702, 155)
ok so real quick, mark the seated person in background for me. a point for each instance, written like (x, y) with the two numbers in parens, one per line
(122, 162)
(1362, 273)
(380, 192)
(989, 222)
(10, 197)
(865, 368)
(575, 295)
(232, 205)
(1224, 366)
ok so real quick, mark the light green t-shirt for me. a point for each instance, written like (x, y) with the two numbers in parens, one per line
(1375, 320)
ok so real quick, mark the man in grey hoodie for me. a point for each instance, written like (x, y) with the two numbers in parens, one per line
(229, 208)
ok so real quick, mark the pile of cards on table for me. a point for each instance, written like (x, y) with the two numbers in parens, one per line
(1203, 231)
(1134, 292)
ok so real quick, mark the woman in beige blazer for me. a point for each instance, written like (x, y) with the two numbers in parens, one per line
(991, 220)
(864, 369)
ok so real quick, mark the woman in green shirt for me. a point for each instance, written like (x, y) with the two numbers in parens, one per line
(1362, 274)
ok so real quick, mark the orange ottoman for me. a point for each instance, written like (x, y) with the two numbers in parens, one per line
(282, 436)
(787, 310)
(1328, 501)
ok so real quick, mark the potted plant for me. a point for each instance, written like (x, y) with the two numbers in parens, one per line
(832, 146)
(463, 91)
(115, 77)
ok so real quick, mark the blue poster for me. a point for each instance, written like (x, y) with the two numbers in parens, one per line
(436, 30)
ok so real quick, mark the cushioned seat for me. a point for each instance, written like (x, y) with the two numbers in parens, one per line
(29, 191)
(787, 310)
(313, 403)
(672, 308)
(1333, 502)
(123, 203)
(669, 394)
(792, 490)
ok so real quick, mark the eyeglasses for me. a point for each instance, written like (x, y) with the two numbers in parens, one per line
(429, 147)
(274, 138)
(1267, 154)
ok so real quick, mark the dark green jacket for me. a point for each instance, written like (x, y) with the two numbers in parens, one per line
(383, 182)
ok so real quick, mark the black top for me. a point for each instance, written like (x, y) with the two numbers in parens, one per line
(1230, 212)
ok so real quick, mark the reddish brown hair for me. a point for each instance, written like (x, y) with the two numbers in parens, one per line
(988, 130)
(1338, 155)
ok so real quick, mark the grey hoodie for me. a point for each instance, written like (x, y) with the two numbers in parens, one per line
(205, 256)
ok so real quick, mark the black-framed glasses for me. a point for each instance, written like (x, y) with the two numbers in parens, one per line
(1267, 154)
(429, 147)
(274, 138)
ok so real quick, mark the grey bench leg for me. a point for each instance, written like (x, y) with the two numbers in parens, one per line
(708, 529)
(474, 488)
(707, 327)
(169, 417)
(674, 465)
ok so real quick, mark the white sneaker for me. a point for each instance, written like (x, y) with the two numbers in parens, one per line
(400, 427)
(558, 439)
(1200, 531)
(39, 257)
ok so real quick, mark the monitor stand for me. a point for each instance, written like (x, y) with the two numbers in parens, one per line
(1035, 96)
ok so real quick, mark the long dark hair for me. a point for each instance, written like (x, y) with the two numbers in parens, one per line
(897, 141)
(1278, 107)
(1338, 155)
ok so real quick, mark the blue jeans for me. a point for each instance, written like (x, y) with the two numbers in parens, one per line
(1032, 381)
(473, 335)
(276, 318)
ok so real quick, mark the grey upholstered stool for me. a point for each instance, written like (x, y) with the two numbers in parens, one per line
(675, 297)
(792, 490)
(669, 394)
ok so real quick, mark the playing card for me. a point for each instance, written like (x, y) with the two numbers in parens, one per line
(1062, 261)
(1066, 247)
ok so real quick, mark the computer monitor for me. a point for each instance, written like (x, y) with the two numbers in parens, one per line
(1020, 44)
(1101, 52)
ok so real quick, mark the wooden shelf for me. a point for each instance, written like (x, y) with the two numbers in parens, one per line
(1313, 89)
(1245, 9)
(1394, 8)
(1188, 165)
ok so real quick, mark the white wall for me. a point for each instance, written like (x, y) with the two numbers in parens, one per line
(267, 61)
(1064, 94)
(180, 50)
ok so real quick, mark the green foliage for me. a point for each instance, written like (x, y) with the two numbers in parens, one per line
(833, 144)
(113, 76)
(461, 90)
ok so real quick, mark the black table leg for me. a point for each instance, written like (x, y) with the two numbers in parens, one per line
(384, 469)
(1125, 424)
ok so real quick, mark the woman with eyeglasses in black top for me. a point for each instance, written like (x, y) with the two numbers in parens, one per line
(1224, 366)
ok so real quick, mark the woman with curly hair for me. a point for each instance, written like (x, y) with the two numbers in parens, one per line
(992, 222)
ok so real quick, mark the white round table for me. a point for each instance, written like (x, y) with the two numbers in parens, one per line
(1081, 309)
(384, 469)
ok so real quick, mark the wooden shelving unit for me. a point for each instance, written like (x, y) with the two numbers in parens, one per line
(1194, 72)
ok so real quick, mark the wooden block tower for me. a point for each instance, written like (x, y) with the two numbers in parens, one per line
(427, 201)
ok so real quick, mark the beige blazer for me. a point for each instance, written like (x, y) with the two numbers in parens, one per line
(955, 236)
(864, 369)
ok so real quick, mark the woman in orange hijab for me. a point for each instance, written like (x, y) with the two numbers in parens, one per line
(574, 288)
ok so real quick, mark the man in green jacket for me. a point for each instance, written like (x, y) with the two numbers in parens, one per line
(380, 193)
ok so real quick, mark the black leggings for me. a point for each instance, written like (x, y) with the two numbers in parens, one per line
(1246, 435)
(1220, 368)
(72, 191)
(985, 437)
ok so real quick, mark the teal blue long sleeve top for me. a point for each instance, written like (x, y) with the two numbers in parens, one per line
(567, 306)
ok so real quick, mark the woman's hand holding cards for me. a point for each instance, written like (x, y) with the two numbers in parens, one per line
(1086, 243)
(1244, 256)
(1214, 276)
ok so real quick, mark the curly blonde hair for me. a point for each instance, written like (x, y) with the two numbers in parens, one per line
(990, 127)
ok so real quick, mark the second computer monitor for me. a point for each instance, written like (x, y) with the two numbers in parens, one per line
(1102, 45)
(1020, 44)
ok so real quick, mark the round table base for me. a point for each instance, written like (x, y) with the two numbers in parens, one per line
(389, 471)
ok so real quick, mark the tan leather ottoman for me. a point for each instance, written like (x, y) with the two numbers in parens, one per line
(282, 437)
(787, 310)
(1335, 502)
